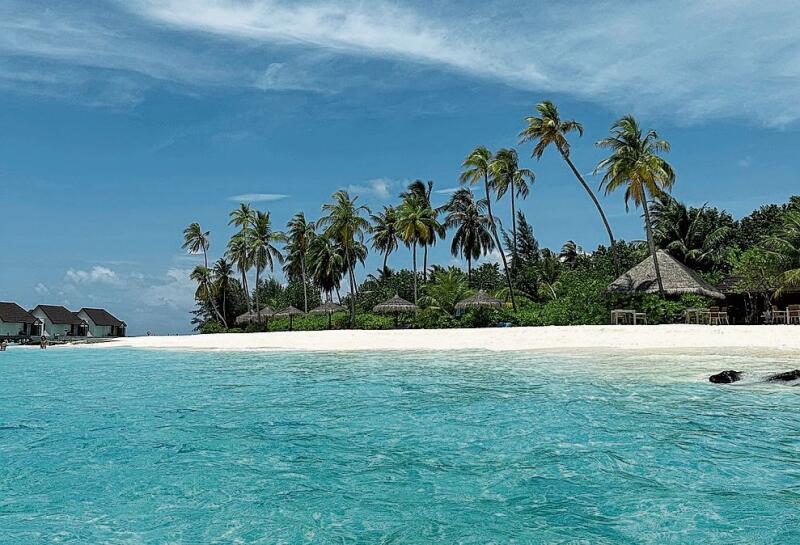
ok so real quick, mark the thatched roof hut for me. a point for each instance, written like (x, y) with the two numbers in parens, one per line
(291, 312)
(676, 277)
(327, 308)
(395, 305)
(251, 317)
(479, 300)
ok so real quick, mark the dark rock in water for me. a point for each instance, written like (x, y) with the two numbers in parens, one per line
(785, 377)
(726, 377)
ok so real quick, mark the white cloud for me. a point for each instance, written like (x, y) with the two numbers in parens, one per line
(745, 162)
(280, 77)
(97, 275)
(174, 291)
(380, 188)
(448, 190)
(257, 197)
(41, 289)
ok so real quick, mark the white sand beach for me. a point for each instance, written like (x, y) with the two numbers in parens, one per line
(662, 337)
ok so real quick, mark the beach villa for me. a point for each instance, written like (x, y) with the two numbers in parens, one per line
(102, 323)
(15, 321)
(57, 321)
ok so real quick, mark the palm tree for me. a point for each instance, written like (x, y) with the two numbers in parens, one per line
(384, 232)
(548, 129)
(345, 224)
(507, 176)
(785, 243)
(477, 168)
(569, 253)
(636, 165)
(422, 191)
(205, 289)
(416, 224)
(326, 264)
(473, 236)
(238, 246)
(196, 240)
(263, 249)
(300, 234)
(222, 277)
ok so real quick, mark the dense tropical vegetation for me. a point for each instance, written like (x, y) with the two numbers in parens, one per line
(757, 256)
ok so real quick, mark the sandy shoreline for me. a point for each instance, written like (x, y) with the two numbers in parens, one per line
(781, 338)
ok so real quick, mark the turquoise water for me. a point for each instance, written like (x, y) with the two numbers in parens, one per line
(140, 447)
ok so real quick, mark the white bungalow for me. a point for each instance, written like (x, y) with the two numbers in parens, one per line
(102, 323)
(15, 321)
(58, 321)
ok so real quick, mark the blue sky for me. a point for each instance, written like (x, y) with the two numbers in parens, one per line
(123, 121)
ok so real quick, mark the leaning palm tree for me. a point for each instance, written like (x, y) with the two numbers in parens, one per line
(473, 232)
(636, 165)
(423, 191)
(785, 243)
(416, 225)
(548, 129)
(508, 177)
(477, 167)
(263, 249)
(384, 232)
(205, 290)
(344, 222)
(300, 234)
(238, 246)
(222, 278)
(196, 240)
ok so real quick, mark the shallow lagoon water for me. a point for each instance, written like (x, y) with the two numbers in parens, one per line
(138, 447)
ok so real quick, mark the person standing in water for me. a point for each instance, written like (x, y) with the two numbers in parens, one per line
(43, 342)
(3, 345)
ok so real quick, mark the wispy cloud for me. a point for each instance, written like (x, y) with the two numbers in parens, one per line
(257, 197)
(448, 190)
(96, 275)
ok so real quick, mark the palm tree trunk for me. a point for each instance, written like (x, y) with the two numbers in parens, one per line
(652, 243)
(469, 270)
(513, 231)
(414, 263)
(497, 241)
(258, 299)
(425, 263)
(385, 258)
(305, 286)
(352, 290)
(599, 208)
(245, 289)
(210, 295)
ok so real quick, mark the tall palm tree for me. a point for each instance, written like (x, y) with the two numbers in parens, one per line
(473, 236)
(238, 246)
(264, 251)
(477, 167)
(636, 165)
(785, 243)
(326, 264)
(344, 222)
(508, 177)
(548, 129)
(417, 225)
(196, 240)
(569, 253)
(300, 234)
(384, 232)
(222, 277)
(423, 191)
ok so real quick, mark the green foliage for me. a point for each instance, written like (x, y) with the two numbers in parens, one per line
(667, 311)
(211, 327)
(446, 288)
(487, 277)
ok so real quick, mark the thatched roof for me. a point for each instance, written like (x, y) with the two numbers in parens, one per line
(395, 305)
(252, 316)
(327, 308)
(479, 300)
(676, 277)
(289, 311)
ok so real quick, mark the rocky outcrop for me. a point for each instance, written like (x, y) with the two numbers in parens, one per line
(726, 377)
(785, 377)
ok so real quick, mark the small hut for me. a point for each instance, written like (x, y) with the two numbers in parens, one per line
(479, 300)
(396, 306)
(676, 277)
(330, 308)
(251, 316)
(289, 312)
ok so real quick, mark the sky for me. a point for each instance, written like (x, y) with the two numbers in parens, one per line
(122, 121)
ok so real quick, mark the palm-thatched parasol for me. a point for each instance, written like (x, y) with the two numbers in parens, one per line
(676, 277)
(328, 308)
(479, 300)
(291, 312)
(397, 306)
(251, 316)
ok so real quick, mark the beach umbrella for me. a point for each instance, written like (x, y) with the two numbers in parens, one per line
(397, 306)
(479, 300)
(328, 308)
(676, 277)
(251, 316)
(291, 312)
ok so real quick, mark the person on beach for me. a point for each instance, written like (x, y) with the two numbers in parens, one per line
(3, 345)
(43, 342)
